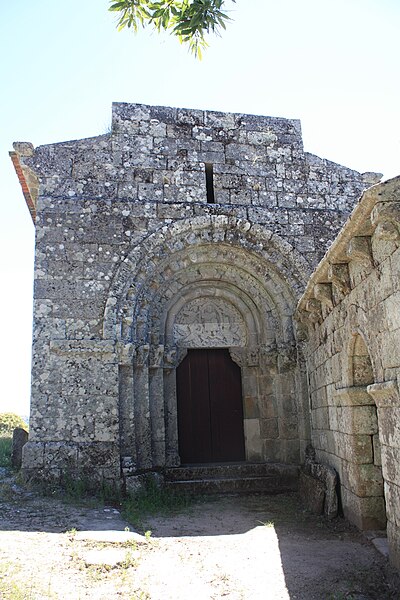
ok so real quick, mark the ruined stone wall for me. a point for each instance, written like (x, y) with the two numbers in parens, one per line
(127, 236)
(352, 309)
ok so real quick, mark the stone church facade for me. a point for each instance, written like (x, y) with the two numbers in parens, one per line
(171, 255)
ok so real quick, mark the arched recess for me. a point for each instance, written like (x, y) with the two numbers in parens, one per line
(248, 280)
(361, 370)
(358, 440)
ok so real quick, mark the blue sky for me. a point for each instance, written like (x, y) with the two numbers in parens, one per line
(333, 64)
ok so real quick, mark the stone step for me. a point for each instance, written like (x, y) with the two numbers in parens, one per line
(244, 478)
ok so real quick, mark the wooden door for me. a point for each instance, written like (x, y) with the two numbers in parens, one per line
(210, 410)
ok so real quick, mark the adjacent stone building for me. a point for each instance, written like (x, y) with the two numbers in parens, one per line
(171, 255)
(352, 308)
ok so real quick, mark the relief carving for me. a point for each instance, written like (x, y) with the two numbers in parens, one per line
(206, 322)
(142, 354)
(173, 356)
(237, 355)
(253, 357)
(156, 356)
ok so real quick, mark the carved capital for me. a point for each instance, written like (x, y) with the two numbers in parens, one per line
(156, 356)
(170, 357)
(142, 355)
(173, 356)
(253, 357)
(323, 293)
(126, 353)
(359, 249)
(340, 277)
(238, 356)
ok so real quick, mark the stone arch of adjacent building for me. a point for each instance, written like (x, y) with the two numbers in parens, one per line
(219, 286)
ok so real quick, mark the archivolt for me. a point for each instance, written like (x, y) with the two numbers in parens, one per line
(155, 271)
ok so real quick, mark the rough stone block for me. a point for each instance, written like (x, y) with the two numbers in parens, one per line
(365, 513)
(253, 439)
(288, 429)
(33, 455)
(354, 448)
(250, 407)
(391, 464)
(386, 394)
(393, 534)
(392, 497)
(352, 396)
(312, 493)
(320, 418)
(357, 420)
(389, 426)
(60, 455)
(376, 446)
(362, 480)
(19, 439)
(92, 455)
(269, 428)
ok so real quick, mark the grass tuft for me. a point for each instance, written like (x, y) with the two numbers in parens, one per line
(154, 499)
(5, 451)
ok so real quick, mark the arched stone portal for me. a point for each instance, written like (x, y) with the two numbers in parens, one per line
(208, 283)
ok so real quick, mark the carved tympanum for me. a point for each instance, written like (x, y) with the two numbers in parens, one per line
(207, 322)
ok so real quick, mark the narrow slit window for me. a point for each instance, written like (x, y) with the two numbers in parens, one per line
(210, 183)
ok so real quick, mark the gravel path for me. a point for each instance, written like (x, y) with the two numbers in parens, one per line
(239, 548)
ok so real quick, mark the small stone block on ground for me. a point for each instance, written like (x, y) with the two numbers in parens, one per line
(109, 537)
(107, 557)
(312, 493)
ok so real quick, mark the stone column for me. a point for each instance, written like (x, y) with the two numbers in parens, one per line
(142, 408)
(126, 416)
(387, 398)
(156, 394)
(171, 360)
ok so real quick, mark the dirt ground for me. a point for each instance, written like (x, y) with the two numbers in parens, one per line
(255, 547)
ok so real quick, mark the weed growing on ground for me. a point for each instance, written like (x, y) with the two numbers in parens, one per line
(270, 524)
(5, 451)
(153, 499)
(80, 490)
(14, 587)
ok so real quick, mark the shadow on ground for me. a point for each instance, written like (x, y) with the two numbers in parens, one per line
(250, 547)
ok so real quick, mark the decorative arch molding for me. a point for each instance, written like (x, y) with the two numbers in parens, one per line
(210, 282)
(252, 300)
(275, 256)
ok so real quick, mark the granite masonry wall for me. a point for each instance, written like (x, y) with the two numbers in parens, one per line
(351, 308)
(180, 229)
